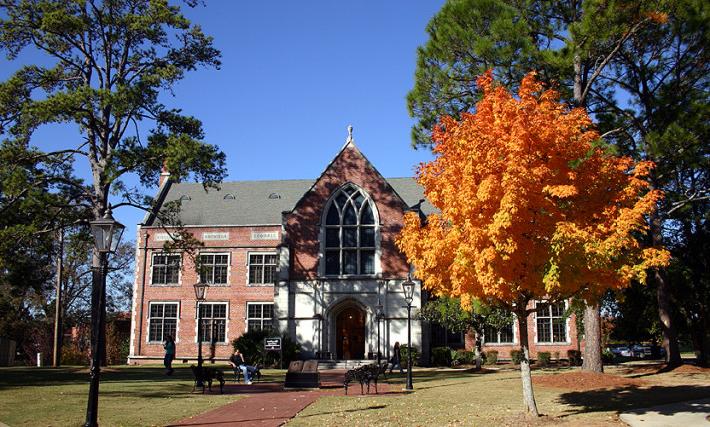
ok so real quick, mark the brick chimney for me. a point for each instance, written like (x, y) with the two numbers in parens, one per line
(164, 175)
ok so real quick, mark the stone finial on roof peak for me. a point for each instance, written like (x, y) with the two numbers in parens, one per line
(350, 134)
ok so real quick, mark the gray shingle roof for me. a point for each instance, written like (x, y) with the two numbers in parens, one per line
(260, 202)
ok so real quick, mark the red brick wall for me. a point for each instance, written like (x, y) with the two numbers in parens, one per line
(302, 225)
(236, 293)
(505, 349)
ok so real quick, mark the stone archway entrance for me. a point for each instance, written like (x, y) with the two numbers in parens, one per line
(350, 333)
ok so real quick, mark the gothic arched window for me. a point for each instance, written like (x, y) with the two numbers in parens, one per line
(350, 234)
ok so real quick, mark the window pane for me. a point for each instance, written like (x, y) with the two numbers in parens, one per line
(367, 237)
(219, 311)
(256, 259)
(155, 330)
(333, 216)
(543, 330)
(268, 311)
(207, 259)
(543, 310)
(506, 334)
(269, 273)
(270, 259)
(358, 199)
(367, 216)
(254, 325)
(349, 262)
(349, 216)
(367, 262)
(559, 332)
(349, 237)
(254, 310)
(219, 331)
(220, 259)
(220, 274)
(255, 273)
(332, 262)
(170, 327)
(341, 199)
(332, 238)
(156, 310)
(348, 190)
(171, 310)
(558, 309)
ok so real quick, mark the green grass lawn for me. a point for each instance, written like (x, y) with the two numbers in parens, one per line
(493, 399)
(129, 395)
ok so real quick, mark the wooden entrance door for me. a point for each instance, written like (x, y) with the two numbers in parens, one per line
(350, 334)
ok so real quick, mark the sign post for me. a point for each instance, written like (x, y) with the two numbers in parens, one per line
(274, 344)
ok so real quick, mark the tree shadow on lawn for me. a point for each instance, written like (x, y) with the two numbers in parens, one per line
(626, 399)
(38, 377)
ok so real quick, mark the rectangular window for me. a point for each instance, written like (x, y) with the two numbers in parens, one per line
(166, 269)
(262, 268)
(502, 335)
(551, 322)
(214, 268)
(213, 325)
(162, 320)
(260, 316)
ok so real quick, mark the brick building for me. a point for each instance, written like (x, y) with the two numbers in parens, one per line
(314, 258)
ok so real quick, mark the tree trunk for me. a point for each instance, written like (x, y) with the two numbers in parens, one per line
(592, 339)
(663, 296)
(525, 375)
(477, 346)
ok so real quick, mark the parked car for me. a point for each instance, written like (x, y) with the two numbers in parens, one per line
(622, 350)
(641, 351)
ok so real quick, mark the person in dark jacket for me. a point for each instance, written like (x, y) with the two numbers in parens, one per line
(169, 347)
(396, 359)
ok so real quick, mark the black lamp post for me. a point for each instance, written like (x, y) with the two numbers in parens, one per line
(408, 286)
(200, 295)
(107, 234)
(379, 316)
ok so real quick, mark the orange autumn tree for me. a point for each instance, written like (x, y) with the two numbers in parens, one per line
(530, 208)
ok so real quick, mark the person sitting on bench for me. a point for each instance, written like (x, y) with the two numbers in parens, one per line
(237, 361)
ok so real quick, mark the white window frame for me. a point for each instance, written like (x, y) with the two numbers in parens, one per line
(507, 343)
(323, 234)
(226, 321)
(177, 321)
(152, 266)
(248, 265)
(247, 318)
(229, 267)
(550, 318)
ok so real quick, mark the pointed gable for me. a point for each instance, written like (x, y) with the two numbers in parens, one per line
(303, 223)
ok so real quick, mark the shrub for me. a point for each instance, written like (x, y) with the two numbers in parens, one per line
(574, 357)
(608, 356)
(543, 358)
(556, 356)
(251, 344)
(404, 351)
(490, 357)
(71, 355)
(465, 357)
(440, 356)
(517, 356)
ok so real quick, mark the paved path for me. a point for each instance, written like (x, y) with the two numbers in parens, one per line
(268, 404)
(681, 414)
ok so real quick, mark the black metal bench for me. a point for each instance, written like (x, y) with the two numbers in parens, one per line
(256, 376)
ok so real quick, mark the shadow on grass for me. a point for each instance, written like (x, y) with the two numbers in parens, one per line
(369, 408)
(39, 377)
(625, 399)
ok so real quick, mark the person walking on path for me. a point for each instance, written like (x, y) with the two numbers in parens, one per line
(169, 347)
(236, 360)
(396, 358)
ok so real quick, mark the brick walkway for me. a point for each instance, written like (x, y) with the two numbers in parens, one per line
(268, 404)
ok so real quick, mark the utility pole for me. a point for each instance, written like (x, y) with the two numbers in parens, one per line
(57, 353)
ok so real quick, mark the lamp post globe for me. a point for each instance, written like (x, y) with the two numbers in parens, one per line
(408, 287)
(107, 234)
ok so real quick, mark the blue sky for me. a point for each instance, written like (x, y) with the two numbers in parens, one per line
(293, 76)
